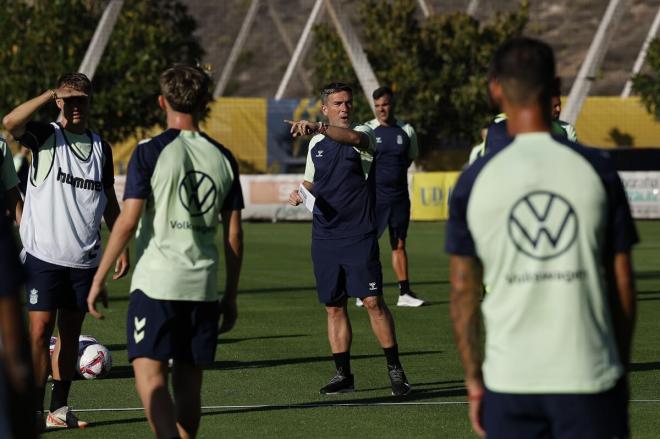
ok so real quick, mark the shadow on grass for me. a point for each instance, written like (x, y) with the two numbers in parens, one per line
(126, 371)
(233, 365)
(647, 275)
(645, 367)
(117, 421)
(222, 341)
(417, 395)
(125, 297)
(647, 292)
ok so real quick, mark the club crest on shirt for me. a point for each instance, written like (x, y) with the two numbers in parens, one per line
(34, 296)
(399, 139)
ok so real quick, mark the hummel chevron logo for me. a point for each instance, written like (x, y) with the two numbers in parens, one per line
(372, 286)
(319, 153)
(543, 225)
(138, 332)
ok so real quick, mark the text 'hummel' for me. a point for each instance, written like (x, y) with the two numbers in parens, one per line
(78, 182)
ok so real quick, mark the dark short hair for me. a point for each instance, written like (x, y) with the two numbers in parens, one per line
(382, 91)
(332, 88)
(186, 88)
(555, 90)
(526, 69)
(76, 81)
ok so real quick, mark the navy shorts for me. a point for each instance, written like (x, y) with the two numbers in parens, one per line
(186, 331)
(347, 267)
(395, 216)
(566, 416)
(50, 287)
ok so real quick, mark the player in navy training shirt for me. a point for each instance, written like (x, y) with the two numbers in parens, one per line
(344, 243)
(396, 148)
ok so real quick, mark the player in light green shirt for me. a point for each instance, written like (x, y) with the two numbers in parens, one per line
(177, 186)
(545, 223)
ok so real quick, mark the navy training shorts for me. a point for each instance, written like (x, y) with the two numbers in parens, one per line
(567, 416)
(395, 216)
(181, 330)
(347, 267)
(50, 287)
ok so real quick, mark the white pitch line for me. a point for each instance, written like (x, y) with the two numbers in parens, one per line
(315, 405)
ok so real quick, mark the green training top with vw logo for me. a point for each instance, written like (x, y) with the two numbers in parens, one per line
(541, 214)
(187, 179)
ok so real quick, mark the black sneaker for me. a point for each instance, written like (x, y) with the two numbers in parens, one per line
(340, 383)
(400, 386)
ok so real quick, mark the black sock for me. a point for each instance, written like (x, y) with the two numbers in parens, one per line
(404, 287)
(392, 356)
(60, 394)
(343, 362)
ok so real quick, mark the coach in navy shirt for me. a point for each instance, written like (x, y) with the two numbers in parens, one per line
(344, 244)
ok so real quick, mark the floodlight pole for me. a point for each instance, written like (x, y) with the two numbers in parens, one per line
(426, 9)
(100, 39)
(641, 57)
(301, 48)
(236, 49)
(355, 52)
(593, 60)
(472, 7)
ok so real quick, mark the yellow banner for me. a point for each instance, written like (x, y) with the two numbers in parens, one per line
(238, 123)
(430, 195)
(607, 121)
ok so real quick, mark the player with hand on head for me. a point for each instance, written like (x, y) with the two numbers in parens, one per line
(344, 243)
(396, 148)
(545, 223)
(70, 189)
(178, 183)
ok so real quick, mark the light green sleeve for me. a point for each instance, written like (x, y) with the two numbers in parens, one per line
(7, 172)
(309, 166)
(413, 151)
(370, 133)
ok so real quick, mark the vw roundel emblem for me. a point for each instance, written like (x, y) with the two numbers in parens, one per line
(197, 192)
(543, 225)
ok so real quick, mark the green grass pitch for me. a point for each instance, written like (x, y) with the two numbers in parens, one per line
(278, 355)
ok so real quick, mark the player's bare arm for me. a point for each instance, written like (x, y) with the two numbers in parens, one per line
(466, 279)
(16, 120)
(122, 232)
(233, 245)
(110, 216)
(344, 136)
(14, 203)
(623, 302)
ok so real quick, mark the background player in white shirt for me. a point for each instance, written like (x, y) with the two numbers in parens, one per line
(70, 189)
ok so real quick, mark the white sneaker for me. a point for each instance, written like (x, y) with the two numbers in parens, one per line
(358, 303)
(63, 417)
(409, 300)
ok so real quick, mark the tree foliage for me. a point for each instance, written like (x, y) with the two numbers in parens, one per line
(648, 84)
(437, 67)
(44, 38)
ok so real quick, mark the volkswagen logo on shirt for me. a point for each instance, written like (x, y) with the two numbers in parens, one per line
(543, 225)
(197, 192)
